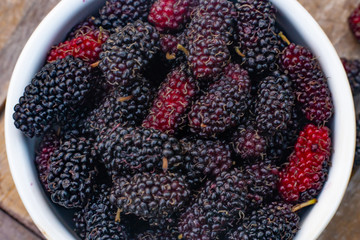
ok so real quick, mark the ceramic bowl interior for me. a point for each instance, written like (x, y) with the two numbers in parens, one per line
(300, 27)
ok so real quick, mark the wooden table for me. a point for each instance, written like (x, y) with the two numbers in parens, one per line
(18, 18)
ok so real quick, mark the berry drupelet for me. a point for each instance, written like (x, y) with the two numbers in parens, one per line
(82, 28)
(55, 89)
(221, 9)
(273, 221)
(248, 143)
(193, 224)
(127, 52)
(205, 25)
(298, 60)
(310, 83)
(208, 36)
(261, 179)
(49, 143)
(173, 101)
(205, 159)
(80, 223)
(223, 105)
(72, 172)
(76, 117)
(352, 68)
(302, 178)
(354, 22)
(258, 44)
(168, 44)
(158, 234)
(137, 150)
(150, 195)
(281, 144)
(169, 15)
(86, 47)
(101, 218)
(117, 13)
(123, 105)
(169, 47)
(207, 57)
(215, 207)
(274, 104)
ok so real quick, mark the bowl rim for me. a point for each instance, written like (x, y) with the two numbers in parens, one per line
(344, 118)
(27, 184)
(31, 192)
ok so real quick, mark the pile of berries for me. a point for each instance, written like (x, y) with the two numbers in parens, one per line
(180, 119)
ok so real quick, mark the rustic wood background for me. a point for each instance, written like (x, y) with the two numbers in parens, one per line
(18, 18)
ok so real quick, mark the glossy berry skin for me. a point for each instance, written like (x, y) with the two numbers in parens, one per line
(352, 68)
(83, 28)
(207, 57)
(117, 13)
(173, 101)
(86, 47)
(272, 221)
(47, 147)
(97, 220)
(208, 37)
(72, 173)
(122, 105)
(304, 173)
(168, 43)
(158, 234)
(53, 92)
(310, 83)
(262, 178)
(220, 9)
(80, 223)
(274, 104)
(281, 144)
(257, 42)
(127, 52)
(216, 205)
(222, 106)
(150, 195)
(354, 22)
(205, 24)
(169, 15)
(193, 224)
(248, 143)
(297, 60)
(131, 150)
(205, 159)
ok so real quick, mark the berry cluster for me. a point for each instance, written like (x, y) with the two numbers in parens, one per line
(188, 119)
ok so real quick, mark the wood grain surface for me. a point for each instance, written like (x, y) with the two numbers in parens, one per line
(11, 229)
(18, 19)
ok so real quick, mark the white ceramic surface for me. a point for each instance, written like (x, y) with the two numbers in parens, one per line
(301, 28)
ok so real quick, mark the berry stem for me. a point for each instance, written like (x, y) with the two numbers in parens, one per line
(284, 38)
(299, 206)
(123, 99)
(95, 64)
(183, 49)
(170, 56)
(165, 164)
(117, 217)
(237, 50)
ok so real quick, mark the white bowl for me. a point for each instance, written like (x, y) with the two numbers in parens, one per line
(53, 221)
